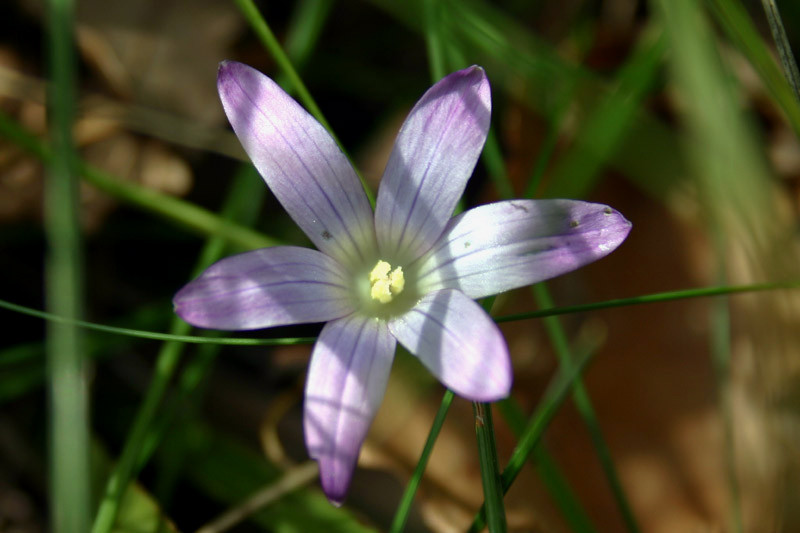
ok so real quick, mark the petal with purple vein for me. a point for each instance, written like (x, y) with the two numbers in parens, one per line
(264, 288)
(300, 162)
(497, 247)
(459, 343)
(347, 378)
(433, 157)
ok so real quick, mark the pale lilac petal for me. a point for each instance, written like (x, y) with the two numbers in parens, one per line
(433, 157)
(347, 377)
(505, 245)
(459, 343)
(264, 288)
(300, 162)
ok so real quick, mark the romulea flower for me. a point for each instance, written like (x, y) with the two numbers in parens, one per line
(406, 273)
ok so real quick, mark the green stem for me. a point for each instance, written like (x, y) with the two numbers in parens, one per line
(433, 39)
(658, 297)
(555, 395)
(490, 468)
(549, 471)
(232, 341)
(68, 404)
(684, 294)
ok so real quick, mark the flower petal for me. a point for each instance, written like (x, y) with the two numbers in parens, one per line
(346, 380)
(505, 245)
(300, 162)
(433, 157)
(459, 343)
(264, 288)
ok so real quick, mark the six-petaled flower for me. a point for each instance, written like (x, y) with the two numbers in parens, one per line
(406, 273)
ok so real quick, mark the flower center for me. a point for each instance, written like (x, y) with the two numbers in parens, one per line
(386, 283)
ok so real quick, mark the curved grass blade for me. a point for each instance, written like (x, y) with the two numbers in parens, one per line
(131, 459)
(168, 207)
(657, 297)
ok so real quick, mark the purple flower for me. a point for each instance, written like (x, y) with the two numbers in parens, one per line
(408, 273)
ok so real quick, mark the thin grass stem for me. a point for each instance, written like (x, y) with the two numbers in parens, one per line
(554, 397)
(259, 25)
(658, 297)
(132, 458)
(404, 507)
(783, 46)
(583, 403)
(490, 468)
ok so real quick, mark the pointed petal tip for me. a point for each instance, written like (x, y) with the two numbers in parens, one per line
(474, 75)
(433, 157)
(335, 490)
(473, 70)
(229, 70)
(334, 478)
(619, 224)
(224, 66)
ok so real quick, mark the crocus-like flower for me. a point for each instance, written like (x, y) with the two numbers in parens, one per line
(408, 273)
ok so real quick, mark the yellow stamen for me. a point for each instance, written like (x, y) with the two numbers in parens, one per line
(385, 282)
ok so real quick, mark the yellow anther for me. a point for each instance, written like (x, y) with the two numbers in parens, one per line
(385, 282)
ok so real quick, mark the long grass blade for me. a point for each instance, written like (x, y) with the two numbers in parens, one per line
(66, 370)
(583, 403)
(553, 398)
(404, 507)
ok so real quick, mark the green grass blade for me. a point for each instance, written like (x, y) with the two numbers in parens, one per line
(243, 205)
(783, 46)
(132, 459)
(658, 297)
(550, 473)
(728, 166)
(490, 468)
(601, 133)
(533, 71)
(404, 507)
(721, 356)
(554, 397)
(735, 21)
(143, 334)
(305, 29)
(583, 403)
(174, 209)
(68, 396)
(433, 39)
(267, 38)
